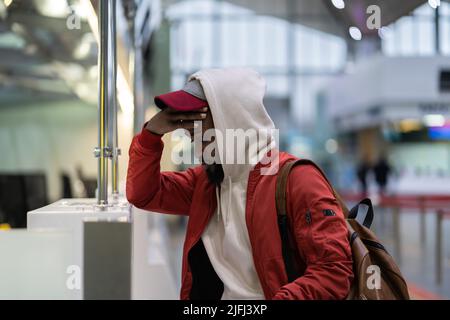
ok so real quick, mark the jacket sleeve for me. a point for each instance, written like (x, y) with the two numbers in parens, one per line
(149, 189)
(321, 237)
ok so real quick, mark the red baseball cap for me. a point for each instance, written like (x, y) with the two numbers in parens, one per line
(190, 98)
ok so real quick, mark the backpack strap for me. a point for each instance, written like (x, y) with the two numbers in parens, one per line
(280, 190)
(283, 224)
(282, 180)
(369, 215)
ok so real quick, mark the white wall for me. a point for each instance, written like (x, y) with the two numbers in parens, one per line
(384, 81)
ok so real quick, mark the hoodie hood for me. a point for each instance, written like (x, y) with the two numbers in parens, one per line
(235, 98)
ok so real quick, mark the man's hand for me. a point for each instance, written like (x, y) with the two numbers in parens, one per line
(169, 120)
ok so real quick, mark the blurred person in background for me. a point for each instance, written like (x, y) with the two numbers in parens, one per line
(382, 171)
(232, 248)
(362, 171)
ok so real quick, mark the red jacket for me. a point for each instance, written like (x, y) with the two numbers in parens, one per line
(325, 258)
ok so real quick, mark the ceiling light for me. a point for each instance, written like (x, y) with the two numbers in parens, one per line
(384, 33)
(355, 33)
(434, 3)
(52, 8)
(17, 28)
(331, 146)
(340, 4)
(434, 120)
(85, 46)
(7, 2)
(79, 11)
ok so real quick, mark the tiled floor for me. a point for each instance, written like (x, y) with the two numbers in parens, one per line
(416, 259)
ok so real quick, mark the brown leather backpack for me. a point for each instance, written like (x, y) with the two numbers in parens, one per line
(376, 275)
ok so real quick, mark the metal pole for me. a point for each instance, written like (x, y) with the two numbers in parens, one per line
(130, 9)
(138, 88)
(112, 99)
(423, 226)
(138, 81)
(131, 68)
(438, 248)
(437, 39)
(102, 151)
(397, 235)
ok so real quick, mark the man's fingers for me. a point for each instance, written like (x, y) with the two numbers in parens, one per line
(185, 125)
(173, 111)
(188, 116)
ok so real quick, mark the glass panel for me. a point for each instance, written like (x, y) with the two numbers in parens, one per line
(425, 35)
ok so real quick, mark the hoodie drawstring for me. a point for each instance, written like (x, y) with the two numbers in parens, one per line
(218, 202)
(229, 201)
(228, 205)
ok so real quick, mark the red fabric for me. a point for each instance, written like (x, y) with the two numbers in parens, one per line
(180, 100)
(323, 244)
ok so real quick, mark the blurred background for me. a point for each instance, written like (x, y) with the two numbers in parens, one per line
(360, 86)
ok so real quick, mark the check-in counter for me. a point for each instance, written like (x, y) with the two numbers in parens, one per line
(72, 249)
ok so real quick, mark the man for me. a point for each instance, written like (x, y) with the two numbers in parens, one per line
(232, 248)
(382, 171)
(362, 172)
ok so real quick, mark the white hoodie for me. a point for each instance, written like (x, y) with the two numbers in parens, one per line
(235, 97)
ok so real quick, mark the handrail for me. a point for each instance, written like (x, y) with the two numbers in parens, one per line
(107, 111)
(103, 151)
(422, 201)
(439, 204)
